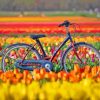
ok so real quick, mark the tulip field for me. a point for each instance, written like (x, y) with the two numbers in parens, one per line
(39, 84)
(47, 25)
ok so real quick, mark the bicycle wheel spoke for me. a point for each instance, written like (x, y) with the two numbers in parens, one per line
(86, 55)
(20, 52)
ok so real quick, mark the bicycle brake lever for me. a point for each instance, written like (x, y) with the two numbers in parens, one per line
(65, 23)
(60, 25)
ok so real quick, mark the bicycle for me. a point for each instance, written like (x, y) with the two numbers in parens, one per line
(27, 57)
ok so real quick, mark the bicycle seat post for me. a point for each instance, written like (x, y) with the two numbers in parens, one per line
(41, 47)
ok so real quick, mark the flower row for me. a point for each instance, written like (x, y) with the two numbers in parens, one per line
(26, 77)
(86, 89)
(47, 28)
(46, 40)
(49, 19)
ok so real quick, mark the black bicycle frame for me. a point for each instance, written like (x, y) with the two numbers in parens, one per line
(62, 44)
(41, 47)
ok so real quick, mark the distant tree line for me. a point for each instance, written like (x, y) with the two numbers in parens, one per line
(49, 5)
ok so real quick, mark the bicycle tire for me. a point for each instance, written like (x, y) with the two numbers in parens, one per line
(11, 47)
(65, 54)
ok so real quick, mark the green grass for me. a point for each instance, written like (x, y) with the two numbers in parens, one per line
(50, 13)
(54, 34)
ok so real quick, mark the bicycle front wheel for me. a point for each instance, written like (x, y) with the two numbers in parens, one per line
(87, 54)
(18, 52)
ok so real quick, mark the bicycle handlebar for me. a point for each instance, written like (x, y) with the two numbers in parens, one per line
(65, 23)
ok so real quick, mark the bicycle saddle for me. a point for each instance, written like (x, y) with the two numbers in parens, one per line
(36, 36)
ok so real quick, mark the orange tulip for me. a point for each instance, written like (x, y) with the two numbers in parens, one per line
(19, 76)
(60, 74)
(76, 68)
(65, 76)
(9, 74)
(35, 71)
(94, 71)
(87, 69)
(29, 76)
(83, 75)
(14, 80)
(88, 75)
(47, 75)
(42, 71)
(1, 72)
(37, 77)
(28, 81)
(53, 76)
(23, 81)
(25, 73)
(16, 71)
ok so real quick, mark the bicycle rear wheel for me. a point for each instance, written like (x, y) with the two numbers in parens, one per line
(87, 53)
(18, 52)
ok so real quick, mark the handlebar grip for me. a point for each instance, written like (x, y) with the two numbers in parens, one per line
(60, 25)
(65, 23)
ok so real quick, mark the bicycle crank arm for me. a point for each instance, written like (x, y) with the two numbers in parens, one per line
(32, 64)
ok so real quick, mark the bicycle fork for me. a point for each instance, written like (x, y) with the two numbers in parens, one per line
(72, 43)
